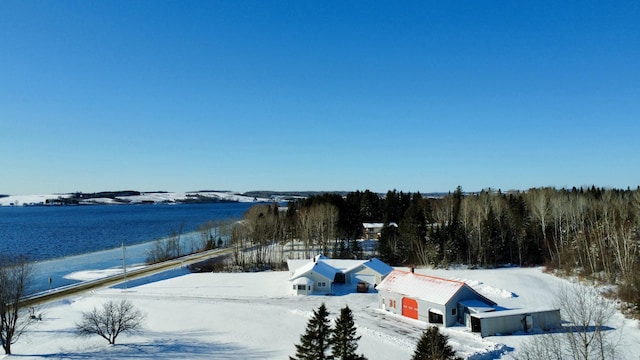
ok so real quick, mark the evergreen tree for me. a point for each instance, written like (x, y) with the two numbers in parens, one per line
(392, 248)
(316, 341)
(344, 340)
(433, 346)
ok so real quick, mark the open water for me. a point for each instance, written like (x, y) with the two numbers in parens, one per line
(65, 239)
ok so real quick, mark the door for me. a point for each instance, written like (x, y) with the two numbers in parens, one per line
(528, 323)
(475, 325)
(410, 308)
(370, 279)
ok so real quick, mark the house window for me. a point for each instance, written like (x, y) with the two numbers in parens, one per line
(390, 303)
(394, 304)
(294, 287)
(322, 284)
(302, 287)
(454, 311)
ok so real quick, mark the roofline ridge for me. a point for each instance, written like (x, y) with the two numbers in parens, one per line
(431, 276)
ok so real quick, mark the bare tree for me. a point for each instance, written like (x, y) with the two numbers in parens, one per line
(15, 277)
(587, 312)
(540, 209)
(541, 347)
(167, 248)
(208, 236)
(585, 336)
(306, 221)
(111, 320)
(327, 220)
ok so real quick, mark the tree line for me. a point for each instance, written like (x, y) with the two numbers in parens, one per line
(592, 231)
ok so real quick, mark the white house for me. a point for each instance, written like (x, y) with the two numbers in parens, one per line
(372, 231)
(322, 275)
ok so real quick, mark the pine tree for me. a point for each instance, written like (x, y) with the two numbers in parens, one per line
(433, 346)
(316, 341)
(344, 340)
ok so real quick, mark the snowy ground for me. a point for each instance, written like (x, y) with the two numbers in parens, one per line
(253, 316)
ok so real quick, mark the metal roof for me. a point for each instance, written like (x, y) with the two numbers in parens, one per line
(428, 288)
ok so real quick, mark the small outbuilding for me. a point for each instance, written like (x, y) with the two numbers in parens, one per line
(515, 321)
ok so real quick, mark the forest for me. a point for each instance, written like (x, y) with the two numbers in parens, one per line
(591, 232)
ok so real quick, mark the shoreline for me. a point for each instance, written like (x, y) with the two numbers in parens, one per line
(104, 261)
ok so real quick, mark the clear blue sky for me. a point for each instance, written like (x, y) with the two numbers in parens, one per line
(318, 95)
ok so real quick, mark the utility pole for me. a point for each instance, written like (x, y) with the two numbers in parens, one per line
(124, 265)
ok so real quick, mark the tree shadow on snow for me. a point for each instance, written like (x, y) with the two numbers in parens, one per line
(166, 348)
(494, 354)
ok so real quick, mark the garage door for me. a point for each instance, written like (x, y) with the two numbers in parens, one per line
(410, 308)
(370, 279)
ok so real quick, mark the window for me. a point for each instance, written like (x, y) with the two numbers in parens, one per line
(435, 318)
(321, 284)
(302, 287)
(454, 311)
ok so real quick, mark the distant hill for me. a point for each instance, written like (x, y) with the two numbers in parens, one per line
(127, 197)
(289, 195)
(292, 195)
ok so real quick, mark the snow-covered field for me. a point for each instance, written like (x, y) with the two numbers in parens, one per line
(253, 316)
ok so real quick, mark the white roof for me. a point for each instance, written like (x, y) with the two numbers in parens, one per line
(377, 225)
(318, 267)
(329, 267)
(477, 306)
(372, 225)
(303, 281)
(427, 288)
(511, 312)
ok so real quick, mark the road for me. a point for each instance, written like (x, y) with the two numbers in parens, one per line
(65, 291)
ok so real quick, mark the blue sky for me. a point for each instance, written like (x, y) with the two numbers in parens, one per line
(318, 95)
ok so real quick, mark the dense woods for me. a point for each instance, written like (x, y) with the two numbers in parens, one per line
(588, 231)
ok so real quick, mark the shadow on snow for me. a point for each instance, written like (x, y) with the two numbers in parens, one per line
(165, 348)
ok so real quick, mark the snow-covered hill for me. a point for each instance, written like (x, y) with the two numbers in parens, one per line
(138, 198)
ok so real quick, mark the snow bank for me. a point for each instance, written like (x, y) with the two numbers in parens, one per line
(88, 275)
